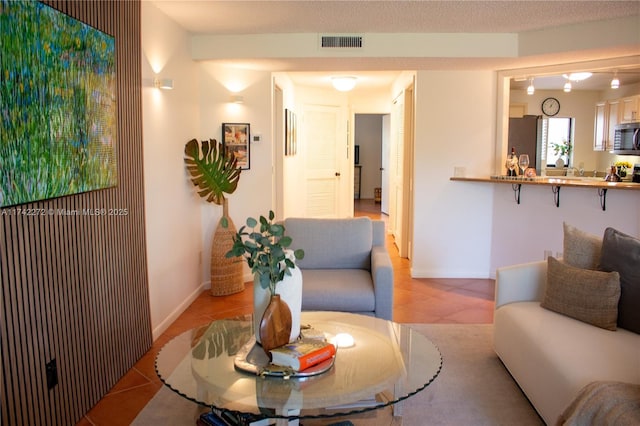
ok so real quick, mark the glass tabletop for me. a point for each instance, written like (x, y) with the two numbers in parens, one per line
(388, 363)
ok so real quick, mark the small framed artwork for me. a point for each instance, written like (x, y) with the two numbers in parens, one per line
(290, 136)
(236, 137)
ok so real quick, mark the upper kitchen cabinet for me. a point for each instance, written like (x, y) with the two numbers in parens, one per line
(607, 117)
(629, 108)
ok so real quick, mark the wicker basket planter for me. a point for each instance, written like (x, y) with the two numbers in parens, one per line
(226, 273)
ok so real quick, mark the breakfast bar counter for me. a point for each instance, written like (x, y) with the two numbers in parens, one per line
(575, 181)
(556, 183)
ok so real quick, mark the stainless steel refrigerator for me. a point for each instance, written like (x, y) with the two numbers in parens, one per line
(526, 135)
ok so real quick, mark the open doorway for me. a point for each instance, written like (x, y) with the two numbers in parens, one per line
(371, 140)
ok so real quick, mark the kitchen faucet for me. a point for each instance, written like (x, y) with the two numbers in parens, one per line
(571, 171)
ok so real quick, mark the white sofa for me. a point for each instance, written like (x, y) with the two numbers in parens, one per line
(552, 356)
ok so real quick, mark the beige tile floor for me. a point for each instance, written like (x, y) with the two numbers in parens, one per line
(423, 300)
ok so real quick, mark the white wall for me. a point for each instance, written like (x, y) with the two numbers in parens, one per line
(522, 233)
(253, 196)
(292, 165)
(170, 119)
(455, 126)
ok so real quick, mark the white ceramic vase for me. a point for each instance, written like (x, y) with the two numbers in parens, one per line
(290, 291)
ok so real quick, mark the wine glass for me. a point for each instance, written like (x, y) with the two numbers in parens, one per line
(524, 163)
(511, 163)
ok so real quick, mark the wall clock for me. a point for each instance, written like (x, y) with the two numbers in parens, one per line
(550, 107)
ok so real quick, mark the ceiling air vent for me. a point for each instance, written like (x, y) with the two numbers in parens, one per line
(341, 41)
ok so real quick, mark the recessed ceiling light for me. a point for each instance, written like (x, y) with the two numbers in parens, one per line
(577, 76)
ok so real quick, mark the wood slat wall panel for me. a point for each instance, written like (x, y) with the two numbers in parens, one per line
(75, 288)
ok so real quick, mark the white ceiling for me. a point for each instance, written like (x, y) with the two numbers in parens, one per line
(421, 16)
(399, 16)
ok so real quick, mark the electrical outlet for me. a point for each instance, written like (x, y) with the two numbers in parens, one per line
(52, 374)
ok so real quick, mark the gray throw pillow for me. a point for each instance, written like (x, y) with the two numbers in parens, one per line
(583, 294)
(621, 252)
(579, 248)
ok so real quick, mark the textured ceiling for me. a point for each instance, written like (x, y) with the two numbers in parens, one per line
(396, 16)
(424, 16)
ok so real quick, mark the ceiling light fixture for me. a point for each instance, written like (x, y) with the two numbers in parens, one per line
(567, 87)
(615, 83)
(577, 76)
(531, 90)
(343, 84)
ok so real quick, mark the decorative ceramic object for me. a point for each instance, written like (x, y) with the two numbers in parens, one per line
(290, 291)
(275, 325)
(559, 163)
(264, 245)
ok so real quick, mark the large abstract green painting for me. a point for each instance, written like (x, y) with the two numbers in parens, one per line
(57, 105)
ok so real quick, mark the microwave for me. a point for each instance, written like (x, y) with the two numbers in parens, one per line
(625, 139)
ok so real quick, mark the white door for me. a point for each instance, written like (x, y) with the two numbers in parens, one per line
(396, 170)
(384, 204)
(401, 172)
(325, 140)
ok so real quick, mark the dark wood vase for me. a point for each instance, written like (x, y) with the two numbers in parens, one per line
(275, 326)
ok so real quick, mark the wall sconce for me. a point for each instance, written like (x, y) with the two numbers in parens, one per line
(237, 99)
(343, 84)
(615, 83)
(567, 87)
(163, 83)
(531, 90)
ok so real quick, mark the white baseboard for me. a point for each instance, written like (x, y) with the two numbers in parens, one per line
(162, 327)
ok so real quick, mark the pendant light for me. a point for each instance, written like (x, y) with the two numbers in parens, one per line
(615, 83)
(531, 90)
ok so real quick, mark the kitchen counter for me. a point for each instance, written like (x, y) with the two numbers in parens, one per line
(574, 181)
(556, 183)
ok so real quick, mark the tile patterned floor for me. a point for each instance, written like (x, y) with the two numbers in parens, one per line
(449, 301)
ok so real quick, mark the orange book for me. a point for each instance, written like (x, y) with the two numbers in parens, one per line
(302, 354)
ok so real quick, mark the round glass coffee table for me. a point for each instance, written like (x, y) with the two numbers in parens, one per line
(387, 364)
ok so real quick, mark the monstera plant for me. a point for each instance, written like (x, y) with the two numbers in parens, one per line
(215, 173)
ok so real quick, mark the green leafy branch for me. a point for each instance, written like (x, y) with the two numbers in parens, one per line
(265, 250)
(563, 148)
